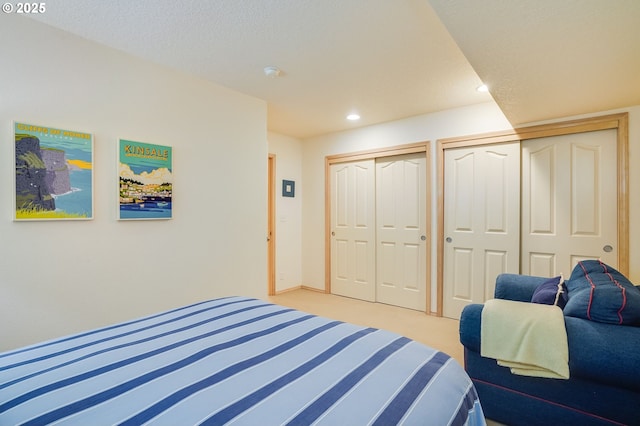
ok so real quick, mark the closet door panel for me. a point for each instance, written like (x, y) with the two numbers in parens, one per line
(353, 229)
(481, 221)
(569, 202)
(401, 230)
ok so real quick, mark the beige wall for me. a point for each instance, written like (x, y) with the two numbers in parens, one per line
(288, 215)
(60, 277)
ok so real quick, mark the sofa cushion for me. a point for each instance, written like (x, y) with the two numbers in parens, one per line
(549, 291)
(517, 287)
(600, 293)
(604, 353)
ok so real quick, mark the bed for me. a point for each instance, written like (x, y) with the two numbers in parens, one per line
(234, 360)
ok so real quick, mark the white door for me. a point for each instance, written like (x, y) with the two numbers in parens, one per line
(353, 229)
(481, 222)
(401, 231)
(569, 202)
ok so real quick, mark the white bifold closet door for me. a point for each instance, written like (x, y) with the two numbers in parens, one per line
(535, 207)
(353, 229)
(481, 222)
(569, 202)
(401, 231)
(378, 230)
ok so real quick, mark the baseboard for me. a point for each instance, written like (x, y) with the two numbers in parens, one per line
(300, 287)
(318, 290)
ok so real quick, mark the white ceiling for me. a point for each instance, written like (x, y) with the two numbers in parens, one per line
(385, 59)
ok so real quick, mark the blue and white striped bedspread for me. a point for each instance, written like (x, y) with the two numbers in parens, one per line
(234, 360)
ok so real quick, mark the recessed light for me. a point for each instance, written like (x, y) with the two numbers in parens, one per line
(482, 88)
(353, 117)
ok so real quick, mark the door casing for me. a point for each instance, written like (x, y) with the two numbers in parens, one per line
(271, 225)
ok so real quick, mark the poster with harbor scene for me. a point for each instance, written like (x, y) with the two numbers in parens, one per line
(54, 173)
(146, 181)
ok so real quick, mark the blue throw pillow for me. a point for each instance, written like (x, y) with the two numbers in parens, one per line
(599, 293)
(547, 292)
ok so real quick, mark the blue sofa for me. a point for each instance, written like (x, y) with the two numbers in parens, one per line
(604, 364)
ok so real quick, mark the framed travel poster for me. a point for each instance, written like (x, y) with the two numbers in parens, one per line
(54, 173)
(146, 181)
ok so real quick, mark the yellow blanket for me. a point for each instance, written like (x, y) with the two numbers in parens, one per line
(529, 338)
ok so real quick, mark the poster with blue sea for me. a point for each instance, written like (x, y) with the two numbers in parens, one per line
(54, 173)
(146, 181)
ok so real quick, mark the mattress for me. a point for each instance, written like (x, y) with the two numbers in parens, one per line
(234, 360)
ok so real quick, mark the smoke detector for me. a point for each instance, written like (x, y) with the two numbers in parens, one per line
(272, 72)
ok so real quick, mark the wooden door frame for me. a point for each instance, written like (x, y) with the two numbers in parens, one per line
(271, 225)
(619, 122)
(413, 148)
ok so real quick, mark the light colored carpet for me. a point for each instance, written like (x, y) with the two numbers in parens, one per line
(436, 332)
